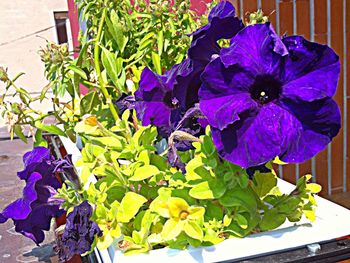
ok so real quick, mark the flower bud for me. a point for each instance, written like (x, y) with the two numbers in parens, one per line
(257, 18)
(3, 75)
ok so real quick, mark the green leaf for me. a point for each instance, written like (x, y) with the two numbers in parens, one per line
(213, 211)
(39, 140)
(263, 183)
(116, 30)
(272, 219)
(172, 228)
(44, 91)
(110, 64)
(110, 142)
(129, 206)
(49, 128)
(78, 71)
(18, 131)
(89, 102)
(156, 63)
(144, 172)
(160, 41)
(241, 221)
(193, 230)
(240, 197)
(208, 190)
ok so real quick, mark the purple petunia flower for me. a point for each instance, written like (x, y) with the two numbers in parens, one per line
(266, 97)
(33, 212)
(163, 100)
(79, 232)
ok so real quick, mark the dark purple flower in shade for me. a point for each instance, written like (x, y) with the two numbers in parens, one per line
(163, 100)
(33, 212)
(125, 102)
(266, 97)
(222, 24)
(79, 232)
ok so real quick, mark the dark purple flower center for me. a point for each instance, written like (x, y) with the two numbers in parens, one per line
(265, 89)
(171, 101)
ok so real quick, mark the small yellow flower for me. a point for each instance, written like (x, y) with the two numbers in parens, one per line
(182, 217)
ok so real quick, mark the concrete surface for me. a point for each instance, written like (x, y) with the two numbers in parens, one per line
(13, 246)
(20, 18)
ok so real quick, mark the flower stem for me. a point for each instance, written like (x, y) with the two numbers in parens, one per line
(98, 69)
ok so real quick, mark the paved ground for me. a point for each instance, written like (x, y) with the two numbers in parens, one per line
(15, 247)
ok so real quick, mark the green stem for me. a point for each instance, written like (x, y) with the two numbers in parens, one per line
(98, 69)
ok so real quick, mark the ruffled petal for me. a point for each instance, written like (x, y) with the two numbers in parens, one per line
(151, 87)
(257, 137)
(184, 80)
(204, 43)
(21, 208)
(37, 155)
(222, 10)
(315, 124)
(35, 160)
(156, 113)
(257, 48)
(225, 93)
(311, 70)
(225, 110)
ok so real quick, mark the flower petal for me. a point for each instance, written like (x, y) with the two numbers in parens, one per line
(257, 48)
(156, 113)
(225, 93)
(151, 86)
(204, 43)
(316, 123)
(311, 70)
(187, 82)
(256, 138)
(21, 208)
(176, 206)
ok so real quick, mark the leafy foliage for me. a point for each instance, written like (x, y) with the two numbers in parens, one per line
(148, 204)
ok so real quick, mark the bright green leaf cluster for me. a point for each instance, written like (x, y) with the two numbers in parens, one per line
(145, 204)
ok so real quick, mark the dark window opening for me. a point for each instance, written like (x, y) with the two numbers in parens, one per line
(61, 18)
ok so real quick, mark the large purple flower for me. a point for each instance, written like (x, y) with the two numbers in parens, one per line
(163, 100)
(33, 212)
(266, 97)
(79, 232)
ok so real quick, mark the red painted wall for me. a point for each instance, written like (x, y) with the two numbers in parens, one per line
(74, 24)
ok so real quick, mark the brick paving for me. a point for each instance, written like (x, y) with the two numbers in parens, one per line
(15, 247)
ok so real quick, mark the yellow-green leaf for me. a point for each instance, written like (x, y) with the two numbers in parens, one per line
(172, 228)
(196, 212)
(314, 188)
(144, 172)
(310, 214)
(129, 206)
(192, 229)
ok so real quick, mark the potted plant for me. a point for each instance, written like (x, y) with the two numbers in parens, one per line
(179, 133)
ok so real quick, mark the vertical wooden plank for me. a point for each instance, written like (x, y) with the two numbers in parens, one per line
(286, 17)
(321, 37)
(303, 29)
(269, 9)
(303, 18)
(345, 101)
(321, 21)
(236, 4)
(348, 90)
(249, 6)
(337, 45)
(286, 27)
